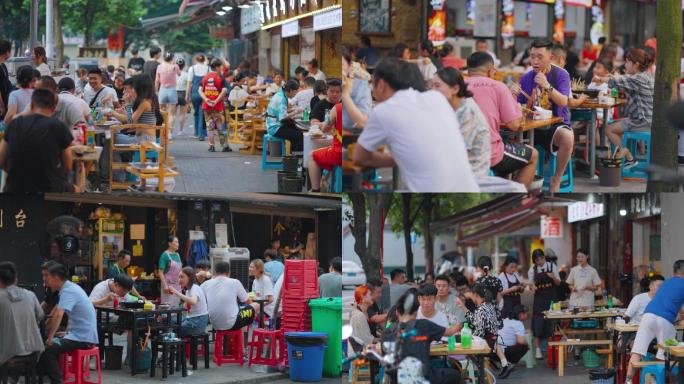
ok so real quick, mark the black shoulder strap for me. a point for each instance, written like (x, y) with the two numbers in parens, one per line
(94, 100)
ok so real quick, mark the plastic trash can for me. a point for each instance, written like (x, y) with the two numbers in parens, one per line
(113, 355)
(305, 352)
(326, 316)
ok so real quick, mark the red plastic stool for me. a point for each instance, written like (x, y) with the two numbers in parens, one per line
(235, 353)
(260, 337)
(76, 365)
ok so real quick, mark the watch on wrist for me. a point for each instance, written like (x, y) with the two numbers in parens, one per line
(549, 89)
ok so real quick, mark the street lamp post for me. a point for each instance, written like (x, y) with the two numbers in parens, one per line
(49, 28)
(34, 24)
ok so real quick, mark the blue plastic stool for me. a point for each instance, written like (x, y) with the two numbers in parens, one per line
(337, 174)
(658, 371)
(567, 181)
(629, 141)
(265, 164)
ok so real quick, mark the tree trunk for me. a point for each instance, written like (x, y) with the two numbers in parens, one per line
(427, 234)
(358, 201)
(378, 204)
(408, 225)
(664, 136)
(59, 42)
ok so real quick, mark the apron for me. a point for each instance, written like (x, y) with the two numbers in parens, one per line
(543, 296)
(172, 280)
(510, 300)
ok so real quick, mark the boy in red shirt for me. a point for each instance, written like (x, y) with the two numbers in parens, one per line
(212, 90)
(327, 157)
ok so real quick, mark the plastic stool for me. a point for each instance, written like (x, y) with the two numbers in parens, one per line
(172, 352)
(567, 181)
(197, 345)
(658, 371)
(629, 141)
(261, 337)
(337, 175)
(235, 355)
(265, 164)
(76, 365)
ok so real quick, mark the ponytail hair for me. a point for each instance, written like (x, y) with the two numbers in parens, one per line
(485, 263)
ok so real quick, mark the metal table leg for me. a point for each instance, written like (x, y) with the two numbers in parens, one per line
(592, 146)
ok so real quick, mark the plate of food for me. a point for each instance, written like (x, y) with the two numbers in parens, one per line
(579, 86)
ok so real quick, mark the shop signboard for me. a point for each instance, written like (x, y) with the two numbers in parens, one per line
(224, 33)
(584, 211)
(485, 18)
(644, 206)
(290, 29)
(221, 231)
(437, 22)
(250, 19)
(95, 52)
(551, 227)
(327, 20)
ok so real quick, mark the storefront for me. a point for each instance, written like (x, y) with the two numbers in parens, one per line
(251, 19)
(632, 21)
(86, 233)
(301, 30)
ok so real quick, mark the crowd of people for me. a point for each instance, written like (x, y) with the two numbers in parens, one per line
(468, 133)
(491, 305)
(66, 318)
(138, 93)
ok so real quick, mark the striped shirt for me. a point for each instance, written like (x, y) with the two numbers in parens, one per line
(639, 89)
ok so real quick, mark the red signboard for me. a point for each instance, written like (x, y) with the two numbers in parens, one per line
(551, 227)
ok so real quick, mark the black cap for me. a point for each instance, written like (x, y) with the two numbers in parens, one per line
(66, 84)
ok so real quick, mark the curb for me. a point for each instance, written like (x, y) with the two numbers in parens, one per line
(258, 380)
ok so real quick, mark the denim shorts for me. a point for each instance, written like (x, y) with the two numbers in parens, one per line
(194, 325)
(168, 96)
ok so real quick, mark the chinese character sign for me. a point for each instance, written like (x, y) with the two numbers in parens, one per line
(551, 227)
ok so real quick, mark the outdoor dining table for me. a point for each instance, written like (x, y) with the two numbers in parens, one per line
(477, 353)
(312, 142)
(85, 159)
(569, 315)
(594, 106)
(303, 125)
(531, 125)
(674, 353)
(131, 324)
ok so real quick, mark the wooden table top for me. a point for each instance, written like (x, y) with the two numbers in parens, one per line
(581, 342)
(87, 154)
(634, 327)
(674, 351)
(586, 315)
(443, 350)
(597, 105)
(536, 124)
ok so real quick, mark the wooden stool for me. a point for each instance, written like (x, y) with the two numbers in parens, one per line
(235, 354)
(192, 343)
(172, 351)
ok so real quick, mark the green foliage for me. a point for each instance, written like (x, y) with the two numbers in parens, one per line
(193, 38)
(14, 23)
(95, 18)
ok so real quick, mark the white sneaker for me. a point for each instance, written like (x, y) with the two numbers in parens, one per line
(538, 355)
(628, 381)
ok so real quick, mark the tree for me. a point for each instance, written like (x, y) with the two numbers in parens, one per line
(372, 207)
(14, 23)
(669, 32)
(95, 18)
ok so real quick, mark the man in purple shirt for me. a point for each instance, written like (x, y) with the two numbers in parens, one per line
(549, 88)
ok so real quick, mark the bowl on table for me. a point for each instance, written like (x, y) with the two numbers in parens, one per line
(592, 93)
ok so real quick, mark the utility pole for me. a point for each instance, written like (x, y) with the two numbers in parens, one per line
(49, 28)
(34, 24)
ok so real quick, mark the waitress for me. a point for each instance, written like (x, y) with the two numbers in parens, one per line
(545, 277)
(512, 287)
(170, 267)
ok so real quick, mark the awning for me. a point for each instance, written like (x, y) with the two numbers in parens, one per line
(502, 227)
(477, 211)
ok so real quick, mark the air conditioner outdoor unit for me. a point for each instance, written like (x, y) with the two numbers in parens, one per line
(239, 260)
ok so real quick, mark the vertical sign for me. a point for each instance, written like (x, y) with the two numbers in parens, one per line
(551, 227)
(437, 22)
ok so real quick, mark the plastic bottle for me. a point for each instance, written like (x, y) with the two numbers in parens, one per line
(305, 116)
(466, 336)
(452, 342)
(610, 301)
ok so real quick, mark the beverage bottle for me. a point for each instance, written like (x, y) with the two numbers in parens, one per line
(466, 336)
(116, 303)
(305, 115)
(614, 92)
(552, 307)
(452, 342)
(610, 301)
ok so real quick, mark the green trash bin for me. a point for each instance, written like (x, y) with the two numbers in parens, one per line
(326, 316)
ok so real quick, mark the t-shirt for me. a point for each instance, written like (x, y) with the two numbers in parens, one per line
(136, 63)
(418, 346)
(396, 291)
(238, 93)
(212, 85)
(319, 110)
(222, 295)
(319, 75)
(150, 69)
(101, 290)
(5, 84)
(438, 318)
(498, 107)
(21, 98)
(547, 267)
(200, 308)
(262, 288)
(440, 162)
(89, 93)
(668, 300)
(511, 328)
(167, 73)
(275, 112)
(505, 277)
(274, 268)
(20, 314)
(69, 111)
(636, 307)
(303, 98)
(82, 318)
(181, 81)
(372, 311)
(427, 69)
(454, 62)
(361, 96)
(475, 131)
(166, 258)
(197, 70)
(582, 277)
(314, 100)
(330, 284)
(44, 69)
(70, 98)
(453, 312)
(35, 146)
(562, 85)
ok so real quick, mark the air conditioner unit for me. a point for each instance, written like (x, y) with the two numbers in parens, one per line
(239, 260)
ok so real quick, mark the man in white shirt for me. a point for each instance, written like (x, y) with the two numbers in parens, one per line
(238, 95)
(67, 94)
(482, 46)
(639, 302)
(446, 302)
(303, 97)
(314, 72)
(105, 291)
(427, 295)
(420, 130)
(223, 294)
(512, 340)
(97, 93)
(583, 281)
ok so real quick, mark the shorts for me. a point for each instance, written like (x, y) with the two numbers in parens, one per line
(168, 96)
(628, 124)
(544, 137)
(214, 120)
(244, 317)
(652, 327)
(327, 158)
(516, 156)
(181, 98)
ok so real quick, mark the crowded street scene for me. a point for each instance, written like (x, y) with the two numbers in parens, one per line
(511, 96)
(513, 288)
(175, 96)
(131, 289)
